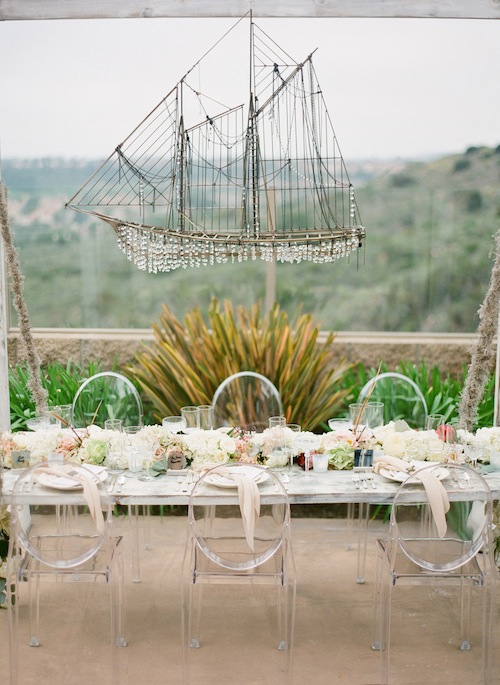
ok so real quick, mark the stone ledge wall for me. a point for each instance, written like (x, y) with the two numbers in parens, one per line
(449, 352)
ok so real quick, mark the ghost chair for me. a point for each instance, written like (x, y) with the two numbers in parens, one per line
(440, 536)
(110, 395)
(246, 400)
(107, 395)
(243, 541)
(403, 401)
(61, 530)
(401, 396)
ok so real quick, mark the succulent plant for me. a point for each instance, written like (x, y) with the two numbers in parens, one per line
(188, 360)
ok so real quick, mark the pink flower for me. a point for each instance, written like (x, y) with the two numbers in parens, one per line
(446, 433)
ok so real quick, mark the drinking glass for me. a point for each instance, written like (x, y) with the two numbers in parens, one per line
(192, 417)
(64, 414)
(473, 452)
(320, 463)
(134, 460)
(38, 422)
(357, 414)
(277, 421)
(148, 451)
(296, 428)
(307, 443)
(339, 424)
(113, 425)
(433, 421)
(375, 414)
(174, 424)
(277, 439)
(52, 417)
(206, 417)
(132, 452)
(115, 449)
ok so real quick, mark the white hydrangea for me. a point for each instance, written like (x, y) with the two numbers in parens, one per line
(41, 443)
(209, 447)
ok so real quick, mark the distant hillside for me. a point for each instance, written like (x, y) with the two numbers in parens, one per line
(426, 266)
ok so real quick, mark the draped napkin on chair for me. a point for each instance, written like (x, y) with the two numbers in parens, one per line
(249, 500)
(436, 492)
(248, 497)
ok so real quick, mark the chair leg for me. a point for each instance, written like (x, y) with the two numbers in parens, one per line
(382, 614)
(465, 609)
(13, 619)
(34, 610)
(487, 625)
(194, 620)
(377, 643)
(385, 624)
(117, 592)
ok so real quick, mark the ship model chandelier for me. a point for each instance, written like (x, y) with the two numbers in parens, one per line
(199, 182)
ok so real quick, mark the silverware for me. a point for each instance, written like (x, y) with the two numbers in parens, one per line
(112, 483)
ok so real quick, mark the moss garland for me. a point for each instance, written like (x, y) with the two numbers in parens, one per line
(16, 283)
(483, 351)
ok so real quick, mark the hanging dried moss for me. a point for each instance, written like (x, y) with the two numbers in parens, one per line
(16, 283)
(483, 351)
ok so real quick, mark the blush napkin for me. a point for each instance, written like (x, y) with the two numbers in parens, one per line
(436, 493)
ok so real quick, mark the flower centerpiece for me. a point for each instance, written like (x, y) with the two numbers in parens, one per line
(340, 444)
(209, 447)
(487, 440)
(265, 449)
(427, 445)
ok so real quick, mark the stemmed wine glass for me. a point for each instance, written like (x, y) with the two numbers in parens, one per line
(471, 451)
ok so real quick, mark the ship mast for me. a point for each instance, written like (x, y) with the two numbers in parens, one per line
(251, 162)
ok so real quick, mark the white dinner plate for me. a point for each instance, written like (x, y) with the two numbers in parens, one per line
(248, 471)
(49, 480)
(399, 476)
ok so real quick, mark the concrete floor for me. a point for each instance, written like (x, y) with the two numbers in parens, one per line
(333, 630)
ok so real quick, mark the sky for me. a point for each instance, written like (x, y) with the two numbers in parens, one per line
(409, 88)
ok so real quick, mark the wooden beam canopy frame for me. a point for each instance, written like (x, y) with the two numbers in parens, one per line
(135, 9)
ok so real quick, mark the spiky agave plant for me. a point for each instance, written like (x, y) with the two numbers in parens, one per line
(188, 360)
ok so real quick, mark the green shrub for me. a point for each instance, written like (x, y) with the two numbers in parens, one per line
(442, 392)
(188, 360)
(61, 382)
